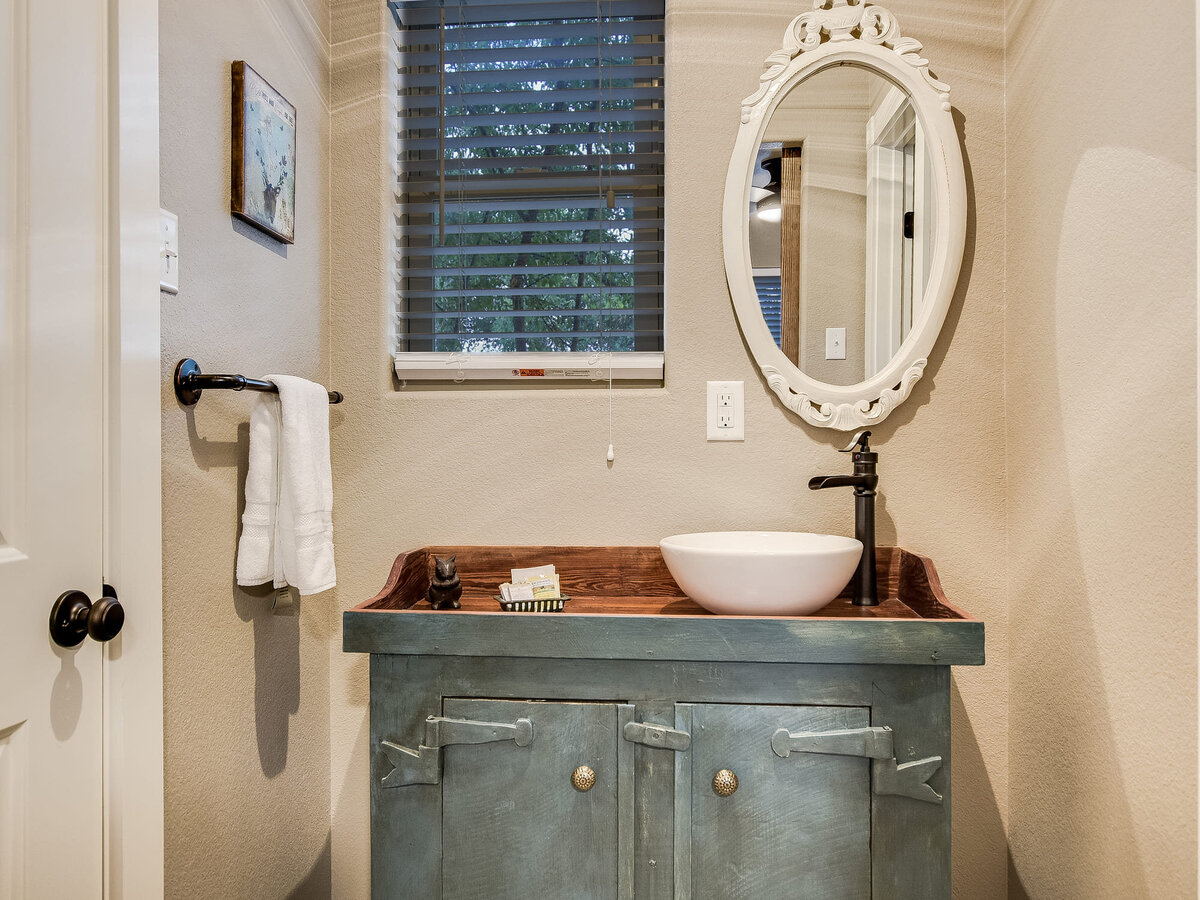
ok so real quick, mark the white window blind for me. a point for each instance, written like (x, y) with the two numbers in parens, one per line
(769, 286)
(529, 213)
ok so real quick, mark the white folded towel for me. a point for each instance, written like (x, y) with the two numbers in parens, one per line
(256, 548)
(287, 527)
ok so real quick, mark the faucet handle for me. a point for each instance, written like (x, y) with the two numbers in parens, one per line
(860, 441)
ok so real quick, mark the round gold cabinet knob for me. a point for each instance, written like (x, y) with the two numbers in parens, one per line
(583, 778)
(725, 783)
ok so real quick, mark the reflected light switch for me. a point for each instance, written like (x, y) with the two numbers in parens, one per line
(835, 343)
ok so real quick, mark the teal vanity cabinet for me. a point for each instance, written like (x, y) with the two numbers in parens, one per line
(797, 827)
(637, 746)
(510, 812)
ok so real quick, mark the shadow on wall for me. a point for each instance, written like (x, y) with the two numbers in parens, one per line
(350, 799)
(276, 671)
(276, 646)
(263, 240)
(1016, 890)
(1065, 758)
(315, 885)
(973, 788)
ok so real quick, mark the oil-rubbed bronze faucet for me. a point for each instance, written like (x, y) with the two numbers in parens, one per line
(864, 481)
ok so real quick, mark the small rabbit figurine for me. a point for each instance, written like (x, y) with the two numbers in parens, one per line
(445, 588)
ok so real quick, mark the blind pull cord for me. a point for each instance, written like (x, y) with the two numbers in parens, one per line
(603, 202)
(442, 126)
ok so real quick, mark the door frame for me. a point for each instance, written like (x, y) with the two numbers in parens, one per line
(133, 673)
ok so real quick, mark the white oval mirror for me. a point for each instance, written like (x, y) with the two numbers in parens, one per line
(845, 215)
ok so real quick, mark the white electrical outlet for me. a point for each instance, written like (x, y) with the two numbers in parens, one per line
(726, 411)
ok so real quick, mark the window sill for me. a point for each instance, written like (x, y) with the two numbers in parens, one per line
(529, 368)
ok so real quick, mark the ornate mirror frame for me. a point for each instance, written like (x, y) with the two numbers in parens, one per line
(837, 32)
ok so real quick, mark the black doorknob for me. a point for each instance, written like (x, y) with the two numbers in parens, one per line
(73, 617)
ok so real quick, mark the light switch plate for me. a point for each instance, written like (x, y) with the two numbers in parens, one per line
(726, 411)
(835, 343)
(168, 251)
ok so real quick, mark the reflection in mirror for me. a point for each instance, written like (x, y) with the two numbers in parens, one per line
(841, 223)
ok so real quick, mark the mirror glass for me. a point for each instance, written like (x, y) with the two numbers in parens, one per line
(841, 221)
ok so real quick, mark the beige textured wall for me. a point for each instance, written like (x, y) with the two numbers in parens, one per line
(423, 466)
(246, 691)
(833, 274)
(1101, 385)
(827, 114)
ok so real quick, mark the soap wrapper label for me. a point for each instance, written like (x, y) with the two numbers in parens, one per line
(521, 576)
(544, 588)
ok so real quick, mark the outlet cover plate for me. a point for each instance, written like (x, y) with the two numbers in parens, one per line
(726, 411)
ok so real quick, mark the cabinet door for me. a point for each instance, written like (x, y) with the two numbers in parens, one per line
(513, 823)
(796, 827)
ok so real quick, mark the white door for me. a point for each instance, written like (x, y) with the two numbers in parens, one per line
(53, 166)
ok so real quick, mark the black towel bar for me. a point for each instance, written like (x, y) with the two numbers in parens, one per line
(190, 383)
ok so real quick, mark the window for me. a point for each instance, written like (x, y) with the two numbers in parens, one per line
(769, 285)
(529, 213)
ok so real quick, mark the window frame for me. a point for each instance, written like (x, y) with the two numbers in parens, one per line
(573, 368)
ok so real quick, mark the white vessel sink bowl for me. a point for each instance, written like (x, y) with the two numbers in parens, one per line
(761, 573)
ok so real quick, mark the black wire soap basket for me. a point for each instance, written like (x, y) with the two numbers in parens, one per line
(546, 604)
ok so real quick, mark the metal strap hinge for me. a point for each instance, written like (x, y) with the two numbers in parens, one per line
(657, 736)
(423, 765)
(888, 777)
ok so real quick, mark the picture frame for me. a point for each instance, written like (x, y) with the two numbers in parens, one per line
(263, 155)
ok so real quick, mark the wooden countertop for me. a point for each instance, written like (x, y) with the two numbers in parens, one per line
(625, 605)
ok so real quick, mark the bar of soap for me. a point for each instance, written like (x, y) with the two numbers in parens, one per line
(515, 592)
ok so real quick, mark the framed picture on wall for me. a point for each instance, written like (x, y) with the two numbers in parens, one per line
(264, 155)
